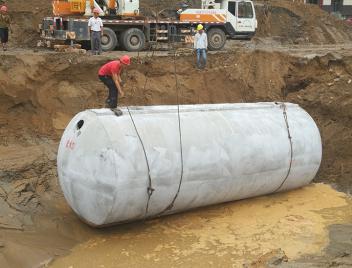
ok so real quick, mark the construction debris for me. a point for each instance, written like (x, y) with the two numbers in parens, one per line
(67, 48)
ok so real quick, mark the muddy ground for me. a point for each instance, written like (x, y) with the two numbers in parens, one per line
(300, 54)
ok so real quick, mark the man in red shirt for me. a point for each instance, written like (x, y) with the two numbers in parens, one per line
(110, 75)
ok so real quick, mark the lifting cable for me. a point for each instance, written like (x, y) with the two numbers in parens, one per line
(171, 205)
(284, 107)
(150, 188)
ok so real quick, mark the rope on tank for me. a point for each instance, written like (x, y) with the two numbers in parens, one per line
(283, 106)
(150, 189)
(171, 205)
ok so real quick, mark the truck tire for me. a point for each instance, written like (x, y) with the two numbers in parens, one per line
(108, 40)
(216, 39)
(133, 39)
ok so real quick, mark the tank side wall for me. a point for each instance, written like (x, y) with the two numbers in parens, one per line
(160, 137)
(86, 169)
(232, 155)
(131, 169)
(230, 152)
(307, 149)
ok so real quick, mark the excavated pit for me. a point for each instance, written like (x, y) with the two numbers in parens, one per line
(39, 94)
(299, 54)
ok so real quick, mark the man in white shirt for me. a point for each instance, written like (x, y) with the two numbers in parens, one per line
(201, 45)
(95, 25)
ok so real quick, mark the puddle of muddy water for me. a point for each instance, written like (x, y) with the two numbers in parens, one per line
(227, 235)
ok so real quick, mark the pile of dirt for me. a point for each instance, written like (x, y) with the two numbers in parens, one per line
(290, 22)
(323, 87)
(26, 17)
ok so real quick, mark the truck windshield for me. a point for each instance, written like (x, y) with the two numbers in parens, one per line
(232, 8)
(245, 10)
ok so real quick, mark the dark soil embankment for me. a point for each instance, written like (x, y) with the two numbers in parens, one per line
(40, 93)
(287, 22)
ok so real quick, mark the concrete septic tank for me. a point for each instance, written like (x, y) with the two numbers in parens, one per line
(115, 169)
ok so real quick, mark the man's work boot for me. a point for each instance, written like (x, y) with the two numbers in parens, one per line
(117, 111)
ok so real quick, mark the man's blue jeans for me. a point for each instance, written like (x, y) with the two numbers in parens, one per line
(201, 52)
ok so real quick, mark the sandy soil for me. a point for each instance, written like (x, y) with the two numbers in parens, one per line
(294, 23)
(221, 236)
(300, 54)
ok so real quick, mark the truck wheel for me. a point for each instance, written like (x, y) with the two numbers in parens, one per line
(133, 39)
(108, 40)
(216, 39)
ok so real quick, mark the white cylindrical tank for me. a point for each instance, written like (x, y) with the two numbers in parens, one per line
(229, 152)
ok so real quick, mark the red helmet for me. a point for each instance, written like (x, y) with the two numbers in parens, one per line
(3, 8)
(125, 60)
(96, 10)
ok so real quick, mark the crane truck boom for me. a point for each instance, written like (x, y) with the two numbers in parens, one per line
(126, 28)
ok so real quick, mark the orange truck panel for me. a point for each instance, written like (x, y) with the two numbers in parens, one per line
(200, 15)
(112, 4)
(71, 7)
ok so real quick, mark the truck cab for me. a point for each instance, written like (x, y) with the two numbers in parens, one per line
(240, 15)
(241, 18)
(223, 18)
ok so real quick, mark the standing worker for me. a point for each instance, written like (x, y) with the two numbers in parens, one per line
(110, 75)
(201, 45)
(4, 27)
(96, 30)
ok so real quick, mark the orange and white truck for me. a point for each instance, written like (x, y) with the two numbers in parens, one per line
(126, 28)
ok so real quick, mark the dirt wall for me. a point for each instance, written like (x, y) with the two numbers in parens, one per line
(40, 93)
(289, 22)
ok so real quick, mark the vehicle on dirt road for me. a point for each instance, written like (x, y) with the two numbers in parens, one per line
(126, 28)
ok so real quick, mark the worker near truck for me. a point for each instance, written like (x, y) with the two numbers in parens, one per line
(110, 75)
(201, 45)
(5, 26)
(96, 29)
